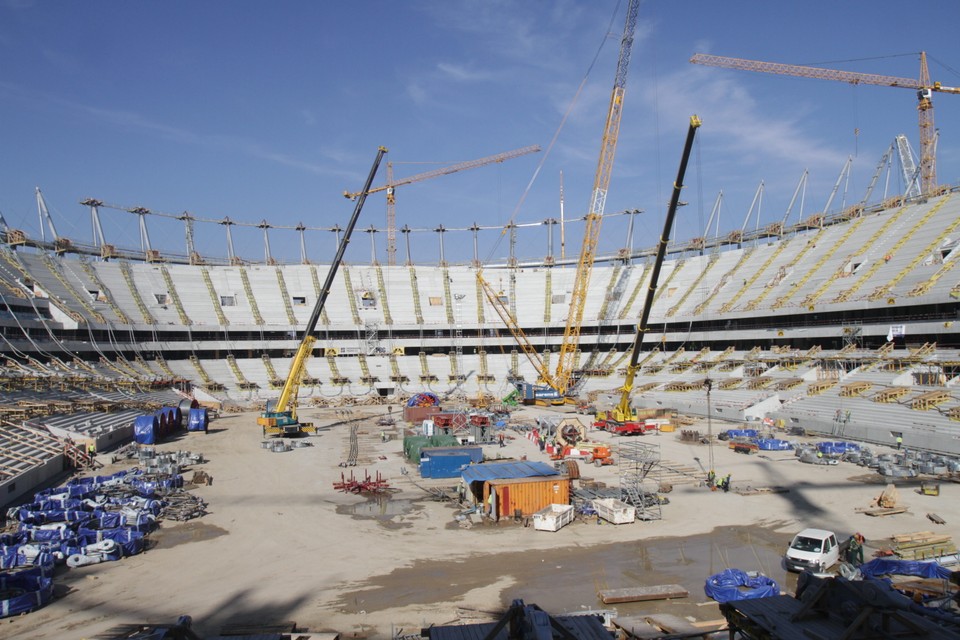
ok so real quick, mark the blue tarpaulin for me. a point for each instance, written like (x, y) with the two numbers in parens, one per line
(734, 584)
(772, 444)
(880, 567)
(197, 420)
(837, 447)
(25, 593)
(145, 429)
(500, 470)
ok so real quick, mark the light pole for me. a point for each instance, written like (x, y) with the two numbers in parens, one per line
(708, 383)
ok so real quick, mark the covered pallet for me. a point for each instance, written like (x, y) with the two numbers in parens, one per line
(615, 511)
(553, 517)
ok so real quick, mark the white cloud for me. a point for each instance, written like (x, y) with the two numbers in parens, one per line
(745, 127)
(462, 74)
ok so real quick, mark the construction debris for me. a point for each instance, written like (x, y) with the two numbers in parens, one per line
(182, 506)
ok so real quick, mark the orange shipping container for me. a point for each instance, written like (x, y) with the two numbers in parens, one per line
(528, 495)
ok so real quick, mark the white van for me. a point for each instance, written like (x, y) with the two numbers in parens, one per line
(813, 549)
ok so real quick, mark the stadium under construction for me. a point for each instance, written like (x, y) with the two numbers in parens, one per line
(843, 324)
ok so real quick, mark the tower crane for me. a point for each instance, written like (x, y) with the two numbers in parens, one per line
(561, 380)
(923, 86)
(391, 185)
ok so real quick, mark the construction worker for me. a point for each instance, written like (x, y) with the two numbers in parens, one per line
(725, 483)
(899, 442)
(855, 550)
(711, 479)
(500, 438)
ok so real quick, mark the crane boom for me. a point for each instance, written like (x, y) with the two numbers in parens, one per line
(282, 417)
(623, 410)
(391, 185)
(594, 218)
(923, 85)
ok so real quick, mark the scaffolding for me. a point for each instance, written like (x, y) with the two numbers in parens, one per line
(640, 478)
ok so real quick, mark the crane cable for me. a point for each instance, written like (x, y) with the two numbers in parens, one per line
(553, 140)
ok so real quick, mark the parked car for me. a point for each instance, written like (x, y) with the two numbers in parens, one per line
(812, 549)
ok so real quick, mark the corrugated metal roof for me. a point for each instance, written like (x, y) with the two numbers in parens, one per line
(498, 470)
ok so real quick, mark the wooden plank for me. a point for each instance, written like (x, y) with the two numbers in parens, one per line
(643, 594)
(933, 539)
(674, 625)
(935, 518)
(638, 627)
(884, 511)
(907, 537)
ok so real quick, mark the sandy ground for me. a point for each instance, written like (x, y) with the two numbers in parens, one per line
(281, 544)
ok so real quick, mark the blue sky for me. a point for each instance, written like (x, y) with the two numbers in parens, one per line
(270, 110)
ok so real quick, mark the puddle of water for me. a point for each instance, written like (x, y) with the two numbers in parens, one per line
(170, 536)
(568, 579)
(381, 507)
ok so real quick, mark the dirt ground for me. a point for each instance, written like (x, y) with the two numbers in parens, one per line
(281, 544)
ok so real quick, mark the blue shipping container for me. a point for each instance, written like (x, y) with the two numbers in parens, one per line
(443, 465)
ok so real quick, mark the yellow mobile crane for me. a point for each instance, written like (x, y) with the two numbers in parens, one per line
(280, 418)
(624, 414)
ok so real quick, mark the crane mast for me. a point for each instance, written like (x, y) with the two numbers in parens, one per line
(594, 217)
(923, 86)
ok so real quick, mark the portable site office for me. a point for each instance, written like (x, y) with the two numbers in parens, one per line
(525, 495)
(517, 487)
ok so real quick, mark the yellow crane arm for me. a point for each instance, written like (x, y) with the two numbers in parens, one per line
(298, 369)
(525, 345)
(594, 218)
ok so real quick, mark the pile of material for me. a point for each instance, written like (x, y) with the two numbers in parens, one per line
(885, 504)
(87, 521)
(922, 545)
